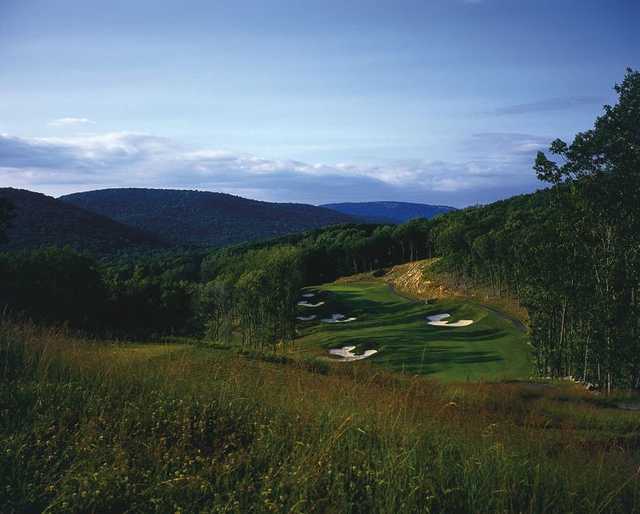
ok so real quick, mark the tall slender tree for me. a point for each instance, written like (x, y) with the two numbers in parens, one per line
(601, 168)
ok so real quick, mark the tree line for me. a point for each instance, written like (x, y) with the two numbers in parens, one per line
(246, 293)
(571, 253)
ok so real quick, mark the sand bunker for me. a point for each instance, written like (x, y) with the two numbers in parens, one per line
(308, 295)
(439, 320)
(438, 317)
(306, 318)
(461, 323)
(347, 355)
(337, 318)
(307, 304)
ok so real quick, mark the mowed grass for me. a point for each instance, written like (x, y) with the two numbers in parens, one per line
(490, 349)
(188, 429)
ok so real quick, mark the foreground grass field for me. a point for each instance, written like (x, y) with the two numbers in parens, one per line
(109, 428)
(493, 348)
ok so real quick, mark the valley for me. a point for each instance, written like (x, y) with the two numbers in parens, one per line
(181, 351)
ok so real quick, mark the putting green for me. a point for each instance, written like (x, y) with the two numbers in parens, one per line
(492, 348)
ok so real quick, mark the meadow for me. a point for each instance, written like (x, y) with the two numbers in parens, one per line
(492, 348)
(98, 426)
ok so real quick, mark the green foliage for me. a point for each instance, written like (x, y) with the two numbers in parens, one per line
(39, 221)
(253, 289)
(569, 253)
(256, 293)
(62, 286)
(201, 217)
(147, 305)
(248, 290)
(52, 286)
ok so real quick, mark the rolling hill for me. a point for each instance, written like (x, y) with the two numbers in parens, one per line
(388, 212)
(39, 220)
(203, 218)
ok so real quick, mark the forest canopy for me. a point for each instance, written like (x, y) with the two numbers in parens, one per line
(5, 215)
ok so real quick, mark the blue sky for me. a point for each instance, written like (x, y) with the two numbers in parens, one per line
(438, 101)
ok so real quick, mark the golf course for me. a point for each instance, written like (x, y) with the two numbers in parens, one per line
(491, 348)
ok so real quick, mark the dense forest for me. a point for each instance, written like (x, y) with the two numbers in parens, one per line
(5, 215)
(570, 254)
(39, 220)
(249, 289)
(203, 218)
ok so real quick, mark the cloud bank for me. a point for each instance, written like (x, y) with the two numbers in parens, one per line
(498, 165)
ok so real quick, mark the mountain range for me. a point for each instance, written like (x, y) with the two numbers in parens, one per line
(201, 217)
(388, 212)
(111, 220)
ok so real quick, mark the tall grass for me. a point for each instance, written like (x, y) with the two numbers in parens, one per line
(104, 427)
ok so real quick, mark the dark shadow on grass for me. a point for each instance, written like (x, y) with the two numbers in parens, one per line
(398, 328)
(438, 356)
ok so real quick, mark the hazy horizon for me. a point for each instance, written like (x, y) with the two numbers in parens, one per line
(371, 201)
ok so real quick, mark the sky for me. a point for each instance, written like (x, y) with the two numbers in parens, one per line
(434, 101)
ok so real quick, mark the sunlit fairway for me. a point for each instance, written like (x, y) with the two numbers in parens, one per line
(493, 348)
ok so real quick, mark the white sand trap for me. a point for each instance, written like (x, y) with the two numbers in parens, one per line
(437, 321)
(306, 318)
(307, 304)
(461, 323)
(338, 318)
(438, 317)
(308, 295)
(347, 355)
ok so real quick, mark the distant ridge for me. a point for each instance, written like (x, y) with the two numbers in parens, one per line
(40, 220)
(201, 217)
(389, 212)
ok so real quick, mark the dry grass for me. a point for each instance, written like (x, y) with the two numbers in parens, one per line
(422, 280)
(107, 427)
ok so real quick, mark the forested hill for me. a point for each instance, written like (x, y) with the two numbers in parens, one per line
(389, 212)
(38, 220)
(570, 254)
(203, 218)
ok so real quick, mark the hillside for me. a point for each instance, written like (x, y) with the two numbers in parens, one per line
(203, 218)
(425, 281)
(39, 220)
(388, 212)
(127, 427)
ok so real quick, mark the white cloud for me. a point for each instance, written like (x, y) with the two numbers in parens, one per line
(70, 122)
(499, 165)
